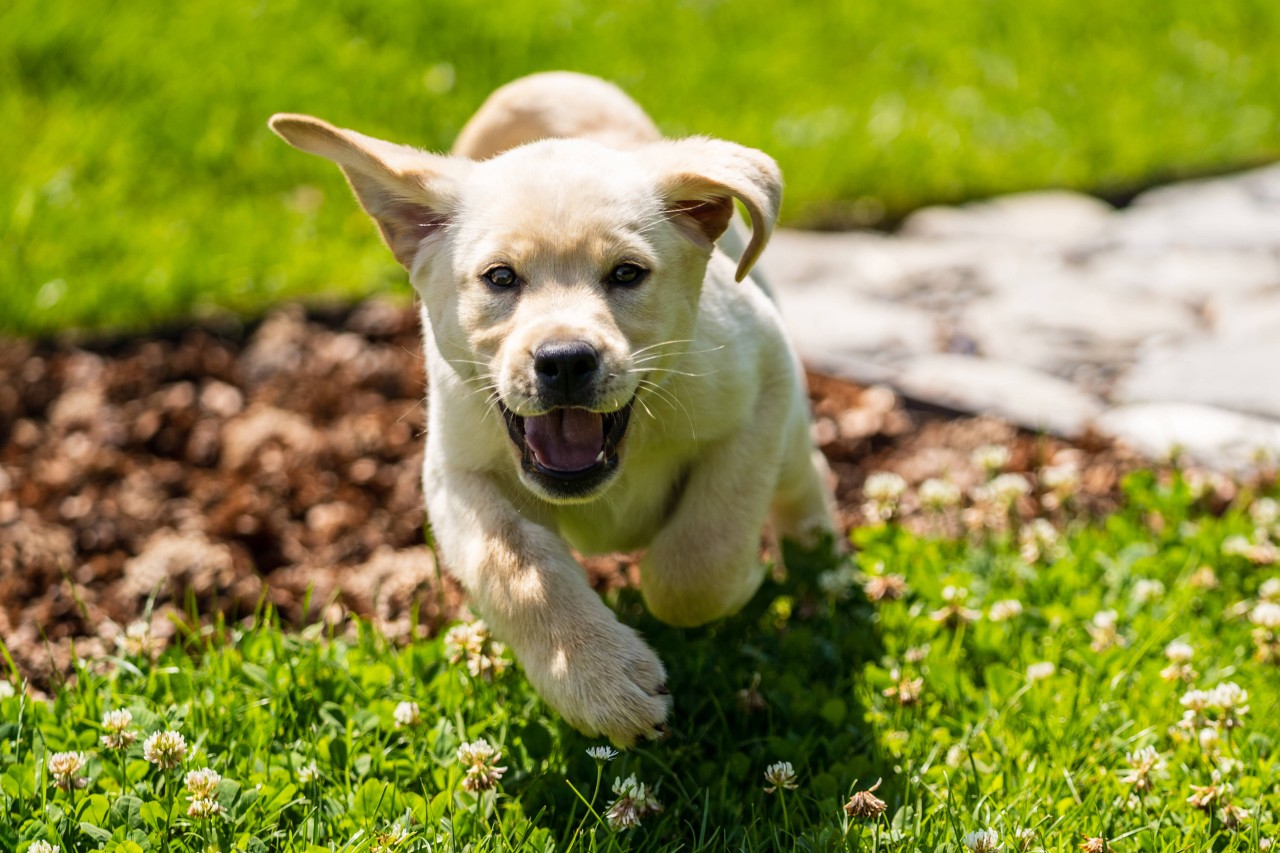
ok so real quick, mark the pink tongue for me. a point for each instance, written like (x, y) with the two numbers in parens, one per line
(565, 439)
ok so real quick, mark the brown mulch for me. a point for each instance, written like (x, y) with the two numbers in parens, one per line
(218, 468)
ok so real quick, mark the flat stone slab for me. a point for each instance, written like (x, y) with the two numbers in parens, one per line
(1023, 395)
(1211, 436)
(841, 321)
(1232, 372)
(1050, 216)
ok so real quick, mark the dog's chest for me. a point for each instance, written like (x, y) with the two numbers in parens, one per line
(629, 514)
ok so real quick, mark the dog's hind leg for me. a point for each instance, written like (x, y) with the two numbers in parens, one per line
(803, 503)
(705, 563)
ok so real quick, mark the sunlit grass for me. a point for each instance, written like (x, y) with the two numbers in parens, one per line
(140, 183)
(1028, 721)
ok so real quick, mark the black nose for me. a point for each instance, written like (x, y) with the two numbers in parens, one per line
(566, 370)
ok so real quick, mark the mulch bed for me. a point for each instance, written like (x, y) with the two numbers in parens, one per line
(221, 466)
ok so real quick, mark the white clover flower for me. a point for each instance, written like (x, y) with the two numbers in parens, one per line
(1206, 797)
(138, 641)
(1236, 546)
(937, 495)
(1063, 480)
(1233, 817)
(982, 841)
(1143, 763)
(955, 756)
(991, 458)
(884, 486)
(780, 776)
(634, 802)
(473, 643)
(602, 753)
(1024, 836)
(1195, 700)
(1104, 632)
(117, 725)
(203, 808)
(165, 749)
(480, 758)
(1039, 538)
(1270, 590)
(1262, 553)
(1007, 488)
(43, 846)
(1179, 655)
(65, 767)
(1232, 702)
(1208, 739)
(308, 773)
(465, 638)
(1003, 611)
(1266, 614)
(202, 784)
(407, 715)
(954, 613)
(1265, 512)
(1040, 671)
(906, 691)
(6, 690)
(1146, 590)
(883, 491)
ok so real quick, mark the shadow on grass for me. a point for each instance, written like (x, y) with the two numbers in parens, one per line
(780, 681)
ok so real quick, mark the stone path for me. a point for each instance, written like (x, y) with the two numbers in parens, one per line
(1158, 323)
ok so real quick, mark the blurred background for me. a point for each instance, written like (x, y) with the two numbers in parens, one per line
(140, 184)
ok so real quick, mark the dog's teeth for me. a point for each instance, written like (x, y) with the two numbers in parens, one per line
(600, 456)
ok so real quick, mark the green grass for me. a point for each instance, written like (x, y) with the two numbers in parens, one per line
(985, 747)
(140, 184)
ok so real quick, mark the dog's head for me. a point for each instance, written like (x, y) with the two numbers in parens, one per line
(561, 278)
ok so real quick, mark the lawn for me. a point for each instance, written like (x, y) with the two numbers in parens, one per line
(140, 184)
(1071, 683)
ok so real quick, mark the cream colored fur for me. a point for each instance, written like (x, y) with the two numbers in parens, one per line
(718, 441)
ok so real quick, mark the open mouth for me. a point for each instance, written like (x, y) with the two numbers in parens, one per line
(569, 450)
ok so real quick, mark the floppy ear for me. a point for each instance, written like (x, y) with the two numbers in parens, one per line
(410, 194)
(699, 178)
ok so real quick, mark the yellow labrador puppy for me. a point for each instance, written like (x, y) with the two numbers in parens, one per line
(600, 375)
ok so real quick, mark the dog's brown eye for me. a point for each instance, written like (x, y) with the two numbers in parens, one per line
(626, 274)
(501, 277)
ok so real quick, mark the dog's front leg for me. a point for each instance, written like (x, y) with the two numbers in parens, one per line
(596, 672)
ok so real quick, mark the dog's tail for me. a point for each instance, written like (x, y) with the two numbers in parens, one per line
(555, 105)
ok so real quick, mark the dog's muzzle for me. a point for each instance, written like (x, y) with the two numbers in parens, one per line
(569, 452)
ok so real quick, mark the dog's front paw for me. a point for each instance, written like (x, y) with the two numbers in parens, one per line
(604, 680)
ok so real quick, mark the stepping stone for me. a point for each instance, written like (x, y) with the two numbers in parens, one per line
(1023, 395)
(1214, 437)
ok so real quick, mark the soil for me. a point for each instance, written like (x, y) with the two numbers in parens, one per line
(224, 468)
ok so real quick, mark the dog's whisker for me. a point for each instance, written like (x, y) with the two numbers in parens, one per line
(648, 370)
(654, 356)
(647, 410)
(663, 344)
(673, 402)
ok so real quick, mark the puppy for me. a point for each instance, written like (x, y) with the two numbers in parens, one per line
(601, 376)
